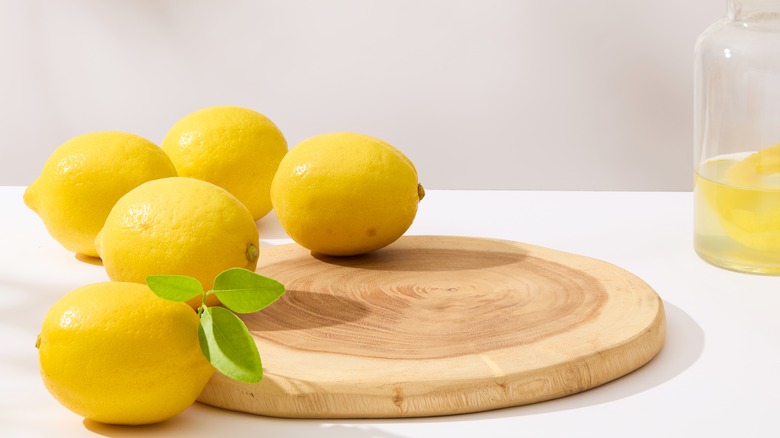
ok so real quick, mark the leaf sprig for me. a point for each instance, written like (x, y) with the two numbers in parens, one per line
(223, 337)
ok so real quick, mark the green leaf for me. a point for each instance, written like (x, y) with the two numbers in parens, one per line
(244, 291)
(174, 287)
(228, 346)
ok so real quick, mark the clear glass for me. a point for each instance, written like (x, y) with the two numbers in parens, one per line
(737, 139)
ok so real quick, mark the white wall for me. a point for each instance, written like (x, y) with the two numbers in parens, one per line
(481, 94)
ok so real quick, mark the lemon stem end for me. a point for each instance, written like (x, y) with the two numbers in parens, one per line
(252, 252)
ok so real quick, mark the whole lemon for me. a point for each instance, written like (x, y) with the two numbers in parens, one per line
(177, 226)
(345, 193)
(85, 176)
(235, 148)
(116, 353)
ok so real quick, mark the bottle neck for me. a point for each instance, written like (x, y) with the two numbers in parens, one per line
(745, 9)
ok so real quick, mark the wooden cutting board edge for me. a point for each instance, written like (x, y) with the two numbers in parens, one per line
(283, 396)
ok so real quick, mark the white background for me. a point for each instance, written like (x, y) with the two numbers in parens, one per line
(490, 94)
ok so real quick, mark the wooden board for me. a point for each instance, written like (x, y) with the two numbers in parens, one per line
(436, 325)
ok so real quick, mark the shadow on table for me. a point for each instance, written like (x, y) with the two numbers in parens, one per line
(206, 421)
(682, 348)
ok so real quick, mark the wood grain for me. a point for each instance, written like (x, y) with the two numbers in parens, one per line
(437, 325)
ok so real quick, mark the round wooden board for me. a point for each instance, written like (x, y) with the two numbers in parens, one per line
(438, 325)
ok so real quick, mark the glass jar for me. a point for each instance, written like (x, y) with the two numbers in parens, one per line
(737, 139)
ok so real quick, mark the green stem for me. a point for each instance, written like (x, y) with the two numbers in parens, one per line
(203, 306)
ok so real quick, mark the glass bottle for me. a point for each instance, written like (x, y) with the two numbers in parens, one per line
(737, 139)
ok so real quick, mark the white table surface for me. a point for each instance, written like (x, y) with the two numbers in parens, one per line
(718, 373)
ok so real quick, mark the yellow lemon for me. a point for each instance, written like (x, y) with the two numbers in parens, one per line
(116, 353)
(759, 170)
(345, 193)
(751, 207)
(235, 148)
(85, 176)
(748, 205)
(177, 226)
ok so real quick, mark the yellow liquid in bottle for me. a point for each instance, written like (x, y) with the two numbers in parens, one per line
(737, 211)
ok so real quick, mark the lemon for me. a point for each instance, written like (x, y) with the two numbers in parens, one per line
(116, 353)
(345, 193)
(759, 170)
(177, 226)
(85, 176)
(748, 205)
(235, 148)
